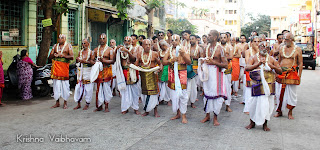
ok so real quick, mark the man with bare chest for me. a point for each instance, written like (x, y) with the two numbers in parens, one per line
(61, 54)
(252, 51)
(214, 91)
(130, 94)
(177, 58)
(104, 54)
(163, 74)
(148, 60)
(228, 53)
(84, 88)
(262, 69)
(235, 67)
(194, 52)
(291, 62)
(242, 47)
(275, 48)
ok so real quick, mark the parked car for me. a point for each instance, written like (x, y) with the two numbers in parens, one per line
(308, 54)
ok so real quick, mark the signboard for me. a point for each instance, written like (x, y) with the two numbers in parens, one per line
(305, 16)
(47, 22)
(14, 32)
(98, 15)
(6, 36)
(309, 29)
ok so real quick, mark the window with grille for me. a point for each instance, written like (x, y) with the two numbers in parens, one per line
(11, 18)
(72, 27)
(40, 17)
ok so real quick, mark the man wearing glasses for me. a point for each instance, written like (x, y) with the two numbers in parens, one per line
(61, 54)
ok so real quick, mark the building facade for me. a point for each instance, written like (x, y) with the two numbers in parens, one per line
(21, 26)
(222, 15)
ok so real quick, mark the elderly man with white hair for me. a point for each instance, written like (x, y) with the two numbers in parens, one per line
(84, 88)
(177, 58)
(61, 54)
(127, 78)
(163, 74)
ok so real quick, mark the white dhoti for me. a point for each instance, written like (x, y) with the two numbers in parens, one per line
(261, 108)
(179, 102)
(198, 81)
(192, 90)
(61, 88)
(277, 91)
(213, 105)
(289, 98)
(235, 85)
(242, 63)
(139, 86)
(130, 97)
(244, 89)
(114, 81)
(151, 103)
(164, 91)
(84, 90)
(228, 88)
(215, 91)
(247, 99)
(105, 93)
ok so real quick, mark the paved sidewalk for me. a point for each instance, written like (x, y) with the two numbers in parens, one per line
(113, 130)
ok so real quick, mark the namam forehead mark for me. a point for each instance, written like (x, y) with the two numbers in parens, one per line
(128, 38)
(174, 37)
(146, 41)
(85, 40)
(103, 36)
(62, 36)
(288, 35)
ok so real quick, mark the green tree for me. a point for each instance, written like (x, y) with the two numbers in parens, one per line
(150, 6)
(261, 24)
(179, 25)
(51, 9)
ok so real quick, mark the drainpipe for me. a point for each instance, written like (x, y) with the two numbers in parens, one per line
(83, 20)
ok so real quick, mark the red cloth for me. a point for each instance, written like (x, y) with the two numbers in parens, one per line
(28, 60)
(1, 72)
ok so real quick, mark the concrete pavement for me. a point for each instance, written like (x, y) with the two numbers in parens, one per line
(113, 130)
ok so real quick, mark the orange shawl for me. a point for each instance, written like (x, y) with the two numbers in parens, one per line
(60, 69)
(235, 69)
(289, 76)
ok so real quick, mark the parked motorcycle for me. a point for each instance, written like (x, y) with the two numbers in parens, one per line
(41, 76)
(72, 75)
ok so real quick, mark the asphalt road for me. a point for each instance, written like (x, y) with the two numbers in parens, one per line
(112, 130)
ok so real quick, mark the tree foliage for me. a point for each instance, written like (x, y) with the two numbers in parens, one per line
(122, 7)
(51, 9)
(261, 24)
(199, 12)
(179, 25)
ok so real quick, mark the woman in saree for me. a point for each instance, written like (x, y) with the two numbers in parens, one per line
(25, 75)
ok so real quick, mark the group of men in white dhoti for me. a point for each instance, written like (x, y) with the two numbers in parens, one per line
(173, 71)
